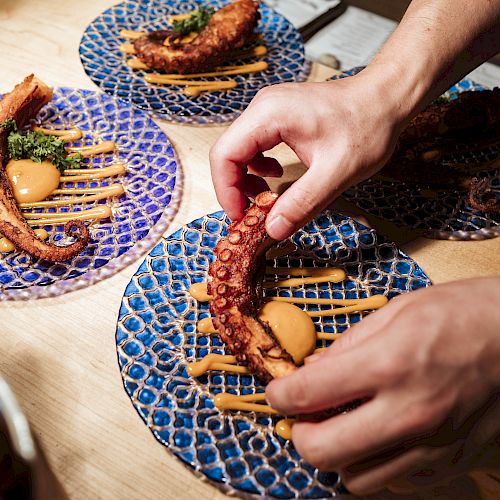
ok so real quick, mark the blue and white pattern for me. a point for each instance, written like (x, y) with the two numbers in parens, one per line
(441, 215)
(139, 217)
(156, 337)
(106, 64)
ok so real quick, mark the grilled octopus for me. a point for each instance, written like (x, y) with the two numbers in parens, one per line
(236, 291)
(23, 104)
(228, 29)
(426, 150)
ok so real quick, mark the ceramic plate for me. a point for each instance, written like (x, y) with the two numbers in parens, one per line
(156, 336)
(443, 214)
(139, 217)
(106, 65)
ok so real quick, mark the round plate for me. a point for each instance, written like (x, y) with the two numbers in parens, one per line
(106, 64)
(443, 214)
(139, 217)
(156, 337)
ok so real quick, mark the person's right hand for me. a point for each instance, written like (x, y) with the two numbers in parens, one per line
(343, 131)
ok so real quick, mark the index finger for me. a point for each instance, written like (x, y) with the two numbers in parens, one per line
(251, 133)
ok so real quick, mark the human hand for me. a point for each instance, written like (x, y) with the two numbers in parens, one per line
(343, 131)
(428, 364)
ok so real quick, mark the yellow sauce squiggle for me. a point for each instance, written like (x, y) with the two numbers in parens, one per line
(127, 48)
(48, 219)
(101, 194)
(86, 174)
(135, 63)
(132, 35)
(246, 402)
(215, 362)
(65, 135)
(196, 90)
(95, 149)
(223, 71)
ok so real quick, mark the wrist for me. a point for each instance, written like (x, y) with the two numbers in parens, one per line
(405, 89)
(386, 84)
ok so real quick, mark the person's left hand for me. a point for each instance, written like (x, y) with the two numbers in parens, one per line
(427, 366)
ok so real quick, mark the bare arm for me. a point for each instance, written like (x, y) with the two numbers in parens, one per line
(344, 131)
(436, 44)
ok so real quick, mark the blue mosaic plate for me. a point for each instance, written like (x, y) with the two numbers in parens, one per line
(443, 214)
(106, 64)
(139, 217)
(156, 337)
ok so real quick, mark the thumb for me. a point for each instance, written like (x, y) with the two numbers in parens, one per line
(304, 199)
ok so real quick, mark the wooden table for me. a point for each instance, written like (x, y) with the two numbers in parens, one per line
(59, 354)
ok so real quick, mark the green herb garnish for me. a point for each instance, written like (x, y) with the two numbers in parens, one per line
(38, 147)
(195, 22)
(442, 99)
(9, 125)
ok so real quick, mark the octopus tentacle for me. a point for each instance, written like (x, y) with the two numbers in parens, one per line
(23, 104)
(470, 111)
(482, 197)
(228, 29)
(427, 149)
(236, 277)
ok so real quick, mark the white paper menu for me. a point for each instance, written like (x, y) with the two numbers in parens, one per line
(300, 12)
(356, 36)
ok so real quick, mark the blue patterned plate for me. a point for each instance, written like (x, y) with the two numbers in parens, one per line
(443, 214)
(156, 336)
(139, 217)
(106, 65)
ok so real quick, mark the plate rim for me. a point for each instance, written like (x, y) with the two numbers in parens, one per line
(117, 264)
(195, 120)
(222, 485)
(484, 233)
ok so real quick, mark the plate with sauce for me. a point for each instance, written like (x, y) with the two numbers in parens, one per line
(107, 56)
(209, 411)
(436, 213)
(124, 192)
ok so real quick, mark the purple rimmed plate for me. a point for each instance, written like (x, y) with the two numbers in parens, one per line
(140, 216)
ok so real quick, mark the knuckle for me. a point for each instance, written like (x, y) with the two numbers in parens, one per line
(304, 201)
(275, 91)
(389, 371)
(216, 152)
(302, 390)
(265, 93)
(421, 419)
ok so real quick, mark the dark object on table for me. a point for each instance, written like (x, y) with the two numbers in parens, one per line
(312, 27)
(451, 145)
(24, 471)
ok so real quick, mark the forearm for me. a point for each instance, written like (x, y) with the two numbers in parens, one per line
(436, 43)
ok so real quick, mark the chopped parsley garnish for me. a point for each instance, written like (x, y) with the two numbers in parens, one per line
(442, 99)
(446, 98)
(195, 22)
(38, 147)
(9, 125)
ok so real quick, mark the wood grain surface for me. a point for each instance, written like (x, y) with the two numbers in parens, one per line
(59, 354)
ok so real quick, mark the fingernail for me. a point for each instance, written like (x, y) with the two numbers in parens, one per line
(279, 227)
(271, 393)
